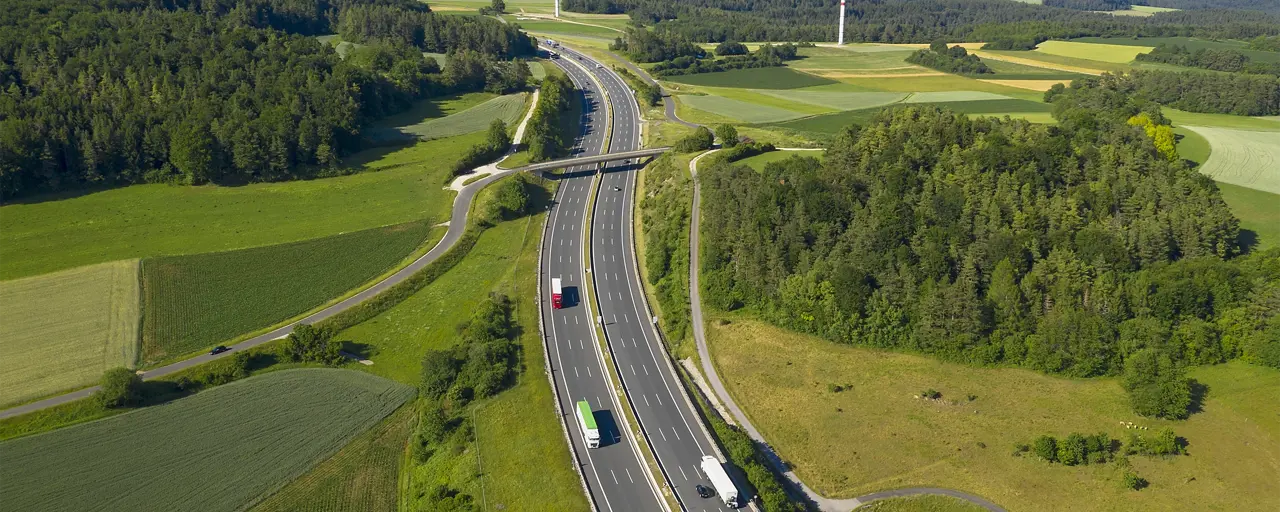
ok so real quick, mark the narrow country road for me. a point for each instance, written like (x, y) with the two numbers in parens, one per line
(713, 378)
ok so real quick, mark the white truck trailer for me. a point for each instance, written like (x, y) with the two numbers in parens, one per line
(587, 422)
(720, 480)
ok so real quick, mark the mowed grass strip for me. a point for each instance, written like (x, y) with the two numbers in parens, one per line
(755, 78)
(394, 185)
(192, 302)
(876, 435)
(1240, 157)
(461, 116)
(61, 331)
(218, 450)
(739, 110)
(363, 475)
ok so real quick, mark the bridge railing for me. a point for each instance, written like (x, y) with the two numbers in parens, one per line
(594, 159)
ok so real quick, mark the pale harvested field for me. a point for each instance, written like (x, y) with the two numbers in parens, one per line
(62, 330)
(1245, 158)
(1031, 85)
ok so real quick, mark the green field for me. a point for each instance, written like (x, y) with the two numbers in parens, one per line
(739, 110)
(157, 220)
(518, 441)
(834, 123)
(574, 29)
(1013, 71)
(192, 302)
(836, 61)
(1257, 124)
(756, 78)
(841, 100)
(953, 96)
(438, 118)
(1258, 211)
(1050, 60)
(219, 450)
(363, 475)
(62, 330)
(1245, 158)
(1113, 53)
(1191, 43)
(758, 162)
(926, 503)
(877, 435)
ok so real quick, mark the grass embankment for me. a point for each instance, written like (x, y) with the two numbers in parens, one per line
(362, 476)
(62, 330)
(191, 302)
(665, 203)
(516, 440)
(155, 220)
(875, 435)
(448, 116)
(927, 503)
(217, 450)
(759, 162)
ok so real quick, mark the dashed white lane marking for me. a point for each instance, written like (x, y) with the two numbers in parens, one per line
(615, 477)
(629, 475)
(575, 373)
(664, 436)
(686, 477)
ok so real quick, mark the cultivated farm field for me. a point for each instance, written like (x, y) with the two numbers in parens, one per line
(756, 78)
(393, 186)
(1240, 157)
(1113, 53)
(876, 435)
(62, 330)
(362, 476)
(438, 118)
(194, 301)
(219, 450)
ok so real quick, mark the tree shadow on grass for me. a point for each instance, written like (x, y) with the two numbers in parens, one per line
(1199, 392)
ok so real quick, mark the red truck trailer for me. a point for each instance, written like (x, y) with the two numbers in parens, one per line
(556, 294)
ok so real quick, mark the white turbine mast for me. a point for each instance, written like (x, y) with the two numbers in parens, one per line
(558, 7)
(840, 41)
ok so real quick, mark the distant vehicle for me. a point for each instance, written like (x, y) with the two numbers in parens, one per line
(599, 66)
(704, 492)
(552, 43)
(720, 480)
(587, 420)
(218, 350)
(557, 297)
(617, 188)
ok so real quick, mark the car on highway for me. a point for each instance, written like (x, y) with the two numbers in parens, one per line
(617, 189)
(704, 491)
(218, 350)
(599, 66)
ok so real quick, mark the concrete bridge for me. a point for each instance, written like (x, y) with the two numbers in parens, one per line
(595, 159)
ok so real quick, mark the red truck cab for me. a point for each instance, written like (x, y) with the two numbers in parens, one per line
(557, 300)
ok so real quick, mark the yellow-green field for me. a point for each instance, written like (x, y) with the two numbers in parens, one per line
(62, 330)
(1114, 53)
(876, 435)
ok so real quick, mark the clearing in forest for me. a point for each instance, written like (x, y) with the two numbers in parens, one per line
(61, 331)
(218, 450)
(876, 434)
(1245, 158)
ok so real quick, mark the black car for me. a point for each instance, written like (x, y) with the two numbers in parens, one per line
(704, 491)
(218, 350)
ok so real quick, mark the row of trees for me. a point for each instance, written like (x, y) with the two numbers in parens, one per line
(916, 21)
(1068, 249)
(648, 46)
(545, 135)
(1209, 58)
(1222, 93)
(768, 55)
(951, 60)
(208, 92)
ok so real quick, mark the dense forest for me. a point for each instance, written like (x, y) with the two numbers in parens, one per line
(1221, 93)
(119, 92)
(916, 21)
(1076, 249)
(1209, 58)
(951, 60)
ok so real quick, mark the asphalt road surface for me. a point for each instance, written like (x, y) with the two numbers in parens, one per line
(616, 476)
(665, 414)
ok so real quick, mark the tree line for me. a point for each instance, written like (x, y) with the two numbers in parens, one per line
(1209, 58)
(545, 134)
(1068, 249)
(916, 21)
(768, 55)
(951, 60)
(1221, 93)
(1089, 5)
(114, 93)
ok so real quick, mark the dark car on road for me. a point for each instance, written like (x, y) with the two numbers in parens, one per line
(704, 491)
(218, 350)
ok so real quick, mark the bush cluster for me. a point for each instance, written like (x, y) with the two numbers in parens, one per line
(768, 55)
(543, 133)
(1073, 450)
(700, 140)
(496, 144)
(951, 60)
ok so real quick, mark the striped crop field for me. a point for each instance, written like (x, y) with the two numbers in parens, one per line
(219, 450)
(840, 100)
(192, 302)
(439, 118)
(1245, 158)
(62, 330)
(739, 110)
(755, 78)
(362, 476)
(1114, 53)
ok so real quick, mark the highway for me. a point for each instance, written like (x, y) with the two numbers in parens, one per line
(655, 392)
(615, 475)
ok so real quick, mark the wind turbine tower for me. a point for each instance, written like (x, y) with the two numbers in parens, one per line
(840, 41)
(558, 7)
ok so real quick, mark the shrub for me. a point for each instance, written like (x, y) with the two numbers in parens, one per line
(731, 48)
(728, 135)
(309, 343)
(931, 394)
(1046, 447)
(700, 140)
(121, 387)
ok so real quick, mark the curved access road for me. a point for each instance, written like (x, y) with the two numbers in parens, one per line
(457, 224)
(668, 103)
(713, 378)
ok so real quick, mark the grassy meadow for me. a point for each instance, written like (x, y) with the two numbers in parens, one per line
(450, 116)
(759, 162)
(755, 78)
(363, 476)
(876, 435)
(926, 503)
(62, 330)
(194, 301)
(221, 449)
(396, 185)
(1113, 53)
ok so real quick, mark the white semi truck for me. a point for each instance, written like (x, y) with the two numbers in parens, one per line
(720, 480)
(587, 422)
